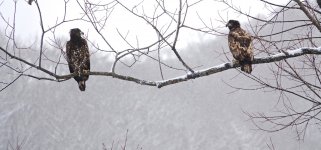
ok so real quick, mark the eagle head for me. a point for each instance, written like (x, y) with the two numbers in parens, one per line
(75, 34)
(232, 24)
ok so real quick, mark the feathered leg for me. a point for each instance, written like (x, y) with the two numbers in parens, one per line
(247, 68)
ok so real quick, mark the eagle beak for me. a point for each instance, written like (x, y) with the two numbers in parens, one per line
(228, 24)
(82, 34)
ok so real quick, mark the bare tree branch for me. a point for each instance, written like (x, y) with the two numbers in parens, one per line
(307, 13)
(196, 74)
(278, 36)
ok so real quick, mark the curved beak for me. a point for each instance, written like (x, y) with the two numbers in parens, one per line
(82, 34)
(228, 24)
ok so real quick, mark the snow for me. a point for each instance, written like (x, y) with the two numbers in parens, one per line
(157, 84)
(223, 65)
(219, 66)
(295, 52)
(276, 55)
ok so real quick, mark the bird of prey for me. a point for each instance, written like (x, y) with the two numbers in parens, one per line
(78, 57)
(240, 44)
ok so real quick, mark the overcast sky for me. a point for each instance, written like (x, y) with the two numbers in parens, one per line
(198, 114)
(27, 19)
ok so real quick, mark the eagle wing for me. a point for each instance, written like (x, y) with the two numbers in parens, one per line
(240, 44)
(85, 55)
(69, 57)
(78, 57)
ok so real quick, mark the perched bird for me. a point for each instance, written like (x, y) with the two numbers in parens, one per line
(78, 57)
(240, 44)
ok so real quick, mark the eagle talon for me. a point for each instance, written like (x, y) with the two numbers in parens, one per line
(192, 75)
(235, 62)
(86, 71)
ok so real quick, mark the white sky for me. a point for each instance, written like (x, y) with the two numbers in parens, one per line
(27, 20)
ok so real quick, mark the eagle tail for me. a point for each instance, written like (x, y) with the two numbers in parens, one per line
(247, 68)
(82, 85)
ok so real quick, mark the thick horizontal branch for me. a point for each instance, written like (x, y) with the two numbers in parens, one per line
(229, 65)
(28, 63)
(196, 74)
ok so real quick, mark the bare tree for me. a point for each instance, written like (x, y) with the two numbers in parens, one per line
(16, 146)
(276, 40)
(122, 146)
(97, 14)
(292, 25)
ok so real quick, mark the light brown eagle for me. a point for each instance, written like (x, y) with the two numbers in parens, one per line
(240, 44)
(78, 57)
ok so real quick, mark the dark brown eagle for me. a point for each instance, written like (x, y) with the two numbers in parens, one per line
(240, 44)
(78, 57)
